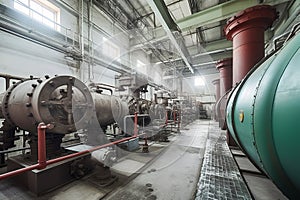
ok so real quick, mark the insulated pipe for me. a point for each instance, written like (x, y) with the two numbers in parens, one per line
(263, 117)
(225, 68)
(246, 30)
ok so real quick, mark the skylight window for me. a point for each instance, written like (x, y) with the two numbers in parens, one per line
(40, 10)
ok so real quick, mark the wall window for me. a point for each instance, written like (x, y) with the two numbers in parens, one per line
(111, 50)
(40, 10)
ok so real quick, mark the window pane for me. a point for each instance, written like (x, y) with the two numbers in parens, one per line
(48, 14)
(48, 22)
(21, 6)
(37, 16)
(36, 7)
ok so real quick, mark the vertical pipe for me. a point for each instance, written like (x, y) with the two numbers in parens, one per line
(178, 126)
(246, 30)
(135, 124)
(42, 146)
(7, 83)
(166, 118)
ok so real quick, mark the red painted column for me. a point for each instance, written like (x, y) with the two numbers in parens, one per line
(225, 68)
(135, 124)
(216, 82)
(246, 30)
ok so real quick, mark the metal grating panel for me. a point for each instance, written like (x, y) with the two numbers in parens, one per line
(220, 177)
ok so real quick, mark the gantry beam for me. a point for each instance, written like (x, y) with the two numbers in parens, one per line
(219, 12)
(173, 32)
(214, 14)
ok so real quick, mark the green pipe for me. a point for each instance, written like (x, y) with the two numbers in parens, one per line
(263, 115)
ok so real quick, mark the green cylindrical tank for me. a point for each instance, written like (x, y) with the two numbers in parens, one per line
(263, 116)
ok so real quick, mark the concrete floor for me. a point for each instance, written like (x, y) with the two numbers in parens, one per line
(174, 174)
(170, 170)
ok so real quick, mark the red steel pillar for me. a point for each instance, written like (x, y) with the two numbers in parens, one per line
(216, 82)
(225, 68)
(246, 30)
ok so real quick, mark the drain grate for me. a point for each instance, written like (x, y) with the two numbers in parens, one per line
(220, 177)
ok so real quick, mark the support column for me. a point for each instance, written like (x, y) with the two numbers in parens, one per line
(225, 68)
(246, 30)
(216, 83)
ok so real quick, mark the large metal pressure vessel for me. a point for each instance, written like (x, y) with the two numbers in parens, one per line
(109, 109)
(62, 101)
(263, 117)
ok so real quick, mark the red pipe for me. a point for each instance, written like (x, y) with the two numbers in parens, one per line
(174, 116)
(246, 30)
(41, 154)
(42, 163)
(166, 117)
(178, 128)
(135, 124)
(42, 145)
(55, 160)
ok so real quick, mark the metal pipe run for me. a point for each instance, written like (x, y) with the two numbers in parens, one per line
(135, 123)
(42, 163)
(41, 154)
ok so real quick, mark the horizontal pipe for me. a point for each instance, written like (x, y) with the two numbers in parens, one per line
(18, 171)
(55, 160)
(13, 150)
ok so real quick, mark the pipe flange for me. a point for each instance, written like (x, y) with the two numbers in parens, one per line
(256, 16)
(63, 101)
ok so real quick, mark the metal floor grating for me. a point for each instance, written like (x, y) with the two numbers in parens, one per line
(220, 177)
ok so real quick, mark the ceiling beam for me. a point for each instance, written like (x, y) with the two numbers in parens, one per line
(214, 14)
(173, 32)
(220, 12)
